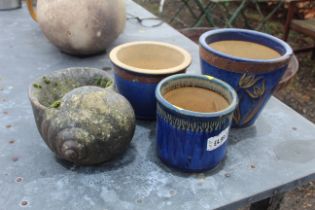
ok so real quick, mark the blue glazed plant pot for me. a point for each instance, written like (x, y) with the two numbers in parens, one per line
(253, 79)
(140, 66)
(193, 141)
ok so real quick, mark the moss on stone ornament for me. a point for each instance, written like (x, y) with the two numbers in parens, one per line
(37, 86)
(55, 104)
(46, 81)
(103, 82)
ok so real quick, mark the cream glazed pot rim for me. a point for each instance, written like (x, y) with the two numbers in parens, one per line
(187, 59)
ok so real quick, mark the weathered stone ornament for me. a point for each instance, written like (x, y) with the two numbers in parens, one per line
(80, 116)
(80, 27)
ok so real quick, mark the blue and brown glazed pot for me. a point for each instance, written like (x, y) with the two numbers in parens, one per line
(193, 141)
(140, 66)
(253, 79)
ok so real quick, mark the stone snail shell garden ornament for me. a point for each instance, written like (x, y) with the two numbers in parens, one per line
(80, 116)
(80, 27)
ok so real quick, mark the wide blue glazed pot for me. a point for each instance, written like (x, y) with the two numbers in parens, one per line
(140, 66)
(254, 80)
(193, 141)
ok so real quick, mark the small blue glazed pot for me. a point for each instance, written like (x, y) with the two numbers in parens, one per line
(254, 80)
(193, 141)
(140, 66)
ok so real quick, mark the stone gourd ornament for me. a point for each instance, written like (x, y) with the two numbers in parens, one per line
(80, 27)
(80, 116)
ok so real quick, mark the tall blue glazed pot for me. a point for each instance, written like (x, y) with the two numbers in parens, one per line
(193, 141)
(254, 80)
(140, 66)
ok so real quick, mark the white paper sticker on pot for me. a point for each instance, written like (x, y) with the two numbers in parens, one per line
(216, 141)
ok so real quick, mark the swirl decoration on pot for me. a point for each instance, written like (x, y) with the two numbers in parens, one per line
(254, 87)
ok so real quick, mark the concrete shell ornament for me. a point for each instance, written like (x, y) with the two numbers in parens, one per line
(80, 27)
(80, 116)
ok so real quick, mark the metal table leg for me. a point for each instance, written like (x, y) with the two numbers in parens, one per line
(272, 203)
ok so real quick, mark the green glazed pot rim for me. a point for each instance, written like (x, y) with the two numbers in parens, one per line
(210, 79)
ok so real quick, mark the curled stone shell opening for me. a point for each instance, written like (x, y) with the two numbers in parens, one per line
(50, 89)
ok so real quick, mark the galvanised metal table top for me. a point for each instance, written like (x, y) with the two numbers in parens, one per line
(273, 156)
